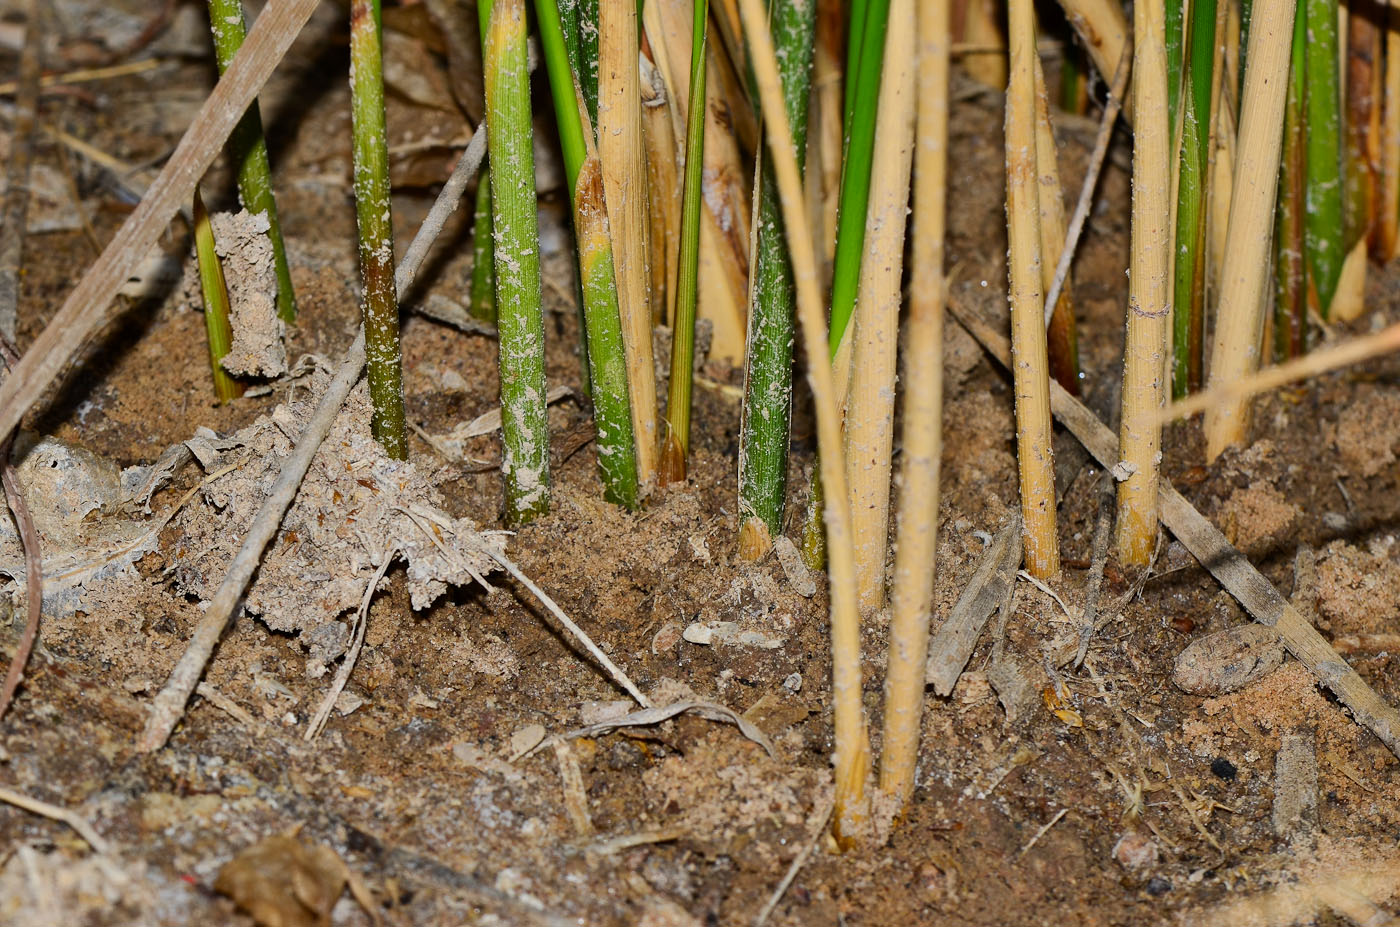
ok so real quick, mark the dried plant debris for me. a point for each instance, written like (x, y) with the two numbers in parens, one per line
(356, 506)
(284, 882)
(246, 253)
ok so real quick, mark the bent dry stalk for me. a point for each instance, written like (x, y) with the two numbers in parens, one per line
(248, 151)
(519, 317)
(767, 409)
(374, 219)
(215, 290)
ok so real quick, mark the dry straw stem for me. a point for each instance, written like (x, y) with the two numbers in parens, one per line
(981, 29)
(88, 305)
(1063, 341)
(823, 176)
(916, 541)
(1346, 353)
(665, 188)
(852, 741)
(1226, 564)
(625, 187)
(1245, 271)
(1034, 455)
(169, 704)
(1103, 28)
(1149, 290)
(725, 222)
(870, 402)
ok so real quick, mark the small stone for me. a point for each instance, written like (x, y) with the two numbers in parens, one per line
(1228, 660)
(1135, 851)
(1158, 886)
(1223, 769)
(793, 683)
(697, 633)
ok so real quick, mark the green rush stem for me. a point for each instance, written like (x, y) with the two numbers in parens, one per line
(1290, 297)
(248, 150)
(677, 439)
(483, 283)
(1072, 77)
(588, 55)
(1176, 39)
(1189, 266)
(515, 224)
(606, 362)
(855, 173)
(855, 30)
(767, 409)
(215, 290)
(384, 358)
(1323, 237)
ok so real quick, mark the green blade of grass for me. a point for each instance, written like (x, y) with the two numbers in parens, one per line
(767, 409)
(1189, 266)
(483, 284)
(588, 56)
(676, 447)
(606, 362)
(1322, 223)
(515, 227)
(855, 174)
(370, 150)
(248, 150)
(215, 290)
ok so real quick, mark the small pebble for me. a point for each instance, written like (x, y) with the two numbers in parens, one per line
(793, 683)
(1158, 886)
(1135, 850)
(1183, 625)
(1223, 769)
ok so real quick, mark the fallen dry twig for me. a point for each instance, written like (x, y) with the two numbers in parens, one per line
(955, 639)
(55, 813)
(1219, 556)
(816, 827)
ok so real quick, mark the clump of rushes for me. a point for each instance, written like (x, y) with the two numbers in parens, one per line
(1290, 278)
(875, 332)
(515, 228)
(1322, 185)
(675, 447)
(917, 540)
(215, 290)
(380, 309)
(1189, 267)
(248, 150)
(1244, 270)
(852, 756)
(1149, 289)
(483, 284)
(1062, 338)
(767, 409)
(607, 366)
(1034, 455)
(623, 160)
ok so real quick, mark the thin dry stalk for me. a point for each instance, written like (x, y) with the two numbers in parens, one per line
(1062, 339)
(88, 306)
(1149, 289)
(1245, 270)
(1034, 455)
(1103, 28)
(824, 130)
(852, 741)
(33, 556)
(54, 813)
(916, 543)
(981, 29)
(1352, 351)
(870, 403)
(625, 187)
(665, 189)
